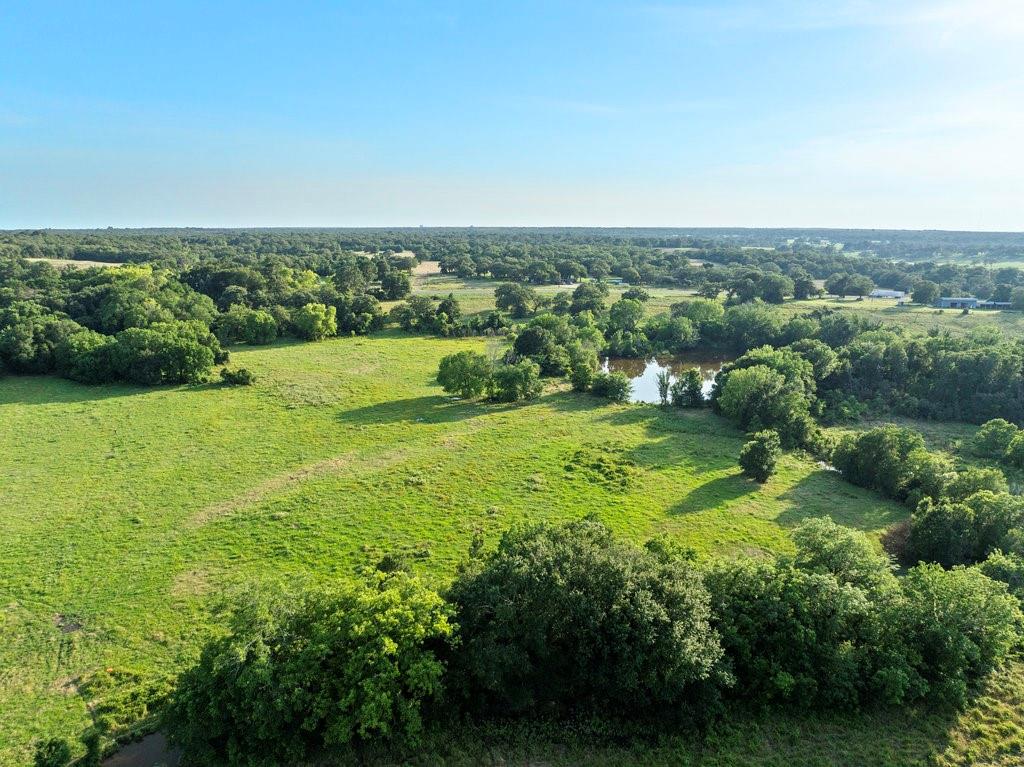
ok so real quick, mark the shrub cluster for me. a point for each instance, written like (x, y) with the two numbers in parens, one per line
(567, 620)
(470, 374)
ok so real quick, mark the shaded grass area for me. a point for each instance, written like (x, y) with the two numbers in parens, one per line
(126, 514)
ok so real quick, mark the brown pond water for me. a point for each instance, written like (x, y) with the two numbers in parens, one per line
(644, 373)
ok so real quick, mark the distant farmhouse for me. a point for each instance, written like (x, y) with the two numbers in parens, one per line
(883, 293)
(969, 302)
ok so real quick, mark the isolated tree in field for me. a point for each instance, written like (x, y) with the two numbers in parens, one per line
(516, 299)
(464, 373)
(759, 456)
(321, 670)
(615, 387)
(512, 383)
(636, 294)
(314, 322)
(925, 292)
(773, 288)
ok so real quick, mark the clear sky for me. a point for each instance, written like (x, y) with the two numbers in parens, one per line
(896, 113)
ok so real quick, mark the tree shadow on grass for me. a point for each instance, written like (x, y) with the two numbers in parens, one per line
(49, 389)
(714, 494)
(428, 409)
(824, 493)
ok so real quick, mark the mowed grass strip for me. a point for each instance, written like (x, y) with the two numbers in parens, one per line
(127, 513)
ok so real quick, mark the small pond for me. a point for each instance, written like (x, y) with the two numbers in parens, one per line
(644, 373)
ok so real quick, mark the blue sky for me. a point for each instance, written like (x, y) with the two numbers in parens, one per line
(905, 114)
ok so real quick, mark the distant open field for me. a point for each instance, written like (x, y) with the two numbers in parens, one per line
(66, 263)
(478, 295)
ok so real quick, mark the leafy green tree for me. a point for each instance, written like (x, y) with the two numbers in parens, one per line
(993, 438)
(752, 324)
(564, 619)
(925, 292)
(796, 638)
(516, 299)
(758, 397)
(688, 390)
(165, 353)
(759, 456)
(664, 381)
(803, 285)
(395, 284)
(589, 297)
(636, 294)
(615, 387)
(878, 459)
(773, 288)
(959, 623)
(464, 373)
(1006, 568)
(515, 382)
(323, 670)
(315, 322)
(87, 357)
(822, 546)
(625, 315)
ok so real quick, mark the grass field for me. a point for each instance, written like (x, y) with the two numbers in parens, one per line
(478, 295)
(126, 514)
(125, 511)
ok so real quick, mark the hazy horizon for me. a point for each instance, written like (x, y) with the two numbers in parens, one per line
(859, 114)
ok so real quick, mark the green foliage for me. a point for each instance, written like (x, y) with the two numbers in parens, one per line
(240, 324)
(664, 381)
(993, 439)
(315, 322)
(464, 373)
(329, 669)
(567, 618)
(1006, 568)
(824, 547)
(759, 456)
(238, 377)
(179, 352)
(879, 459)
(688, 391)
(589, 297)
(87, 357)
(515, 382)
(956, 533)
(758, 397)
(925, 292)
(959, 625)
(615, 387)
(516, 299)
(55, 752)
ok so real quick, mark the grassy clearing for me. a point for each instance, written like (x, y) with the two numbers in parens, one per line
(478, 295)
(126, 514)
(126, 511)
